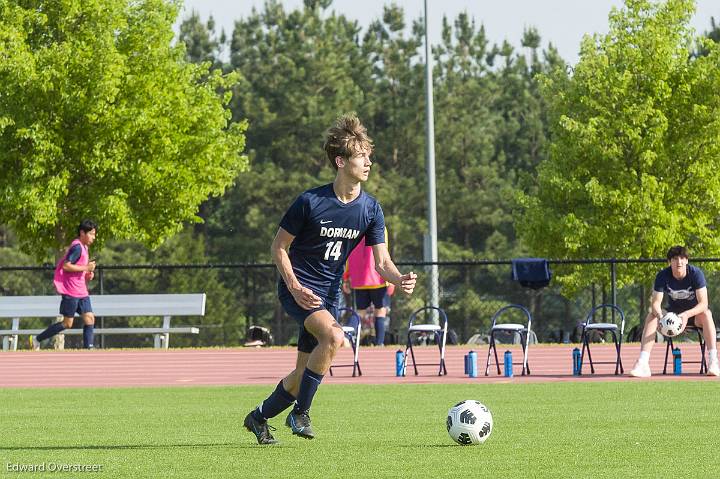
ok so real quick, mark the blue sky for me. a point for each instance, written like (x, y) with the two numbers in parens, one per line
(562, 22)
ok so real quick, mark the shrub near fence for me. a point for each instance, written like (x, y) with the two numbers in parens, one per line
(242, 295)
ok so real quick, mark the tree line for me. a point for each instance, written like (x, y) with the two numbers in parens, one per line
(533, 156)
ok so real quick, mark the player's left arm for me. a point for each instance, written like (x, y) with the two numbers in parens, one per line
(702, 298)
(387, 269)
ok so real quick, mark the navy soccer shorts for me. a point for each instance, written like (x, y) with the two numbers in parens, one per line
(377, 296)
(676, 310)
(69, 306)
(306, 341)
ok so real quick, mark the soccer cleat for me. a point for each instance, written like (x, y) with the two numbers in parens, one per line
(261, 429)
(34, 343)
(713, 368)
(641, 370)
(299, 423)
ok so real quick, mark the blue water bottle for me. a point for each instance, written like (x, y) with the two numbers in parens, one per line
(472, 364)
(399, 363)
(677, 362)
(576, 361)
(508, 364)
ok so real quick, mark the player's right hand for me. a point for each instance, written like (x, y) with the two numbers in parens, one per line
(91, 266)
(683, 317)
(305, 298)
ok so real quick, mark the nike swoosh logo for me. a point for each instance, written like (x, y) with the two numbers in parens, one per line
(324, 222)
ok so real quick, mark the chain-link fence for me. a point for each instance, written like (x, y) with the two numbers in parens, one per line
(243, 295)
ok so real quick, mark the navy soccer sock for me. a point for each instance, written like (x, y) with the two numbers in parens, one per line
(380, 331)
(88, 333)
(276, 403)
(51, 331)
(308, 387)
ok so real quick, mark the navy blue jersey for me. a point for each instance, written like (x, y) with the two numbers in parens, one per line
(681, 292)
(326, 230)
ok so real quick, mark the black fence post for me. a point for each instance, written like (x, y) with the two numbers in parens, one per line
(613, 284)
(101, 272)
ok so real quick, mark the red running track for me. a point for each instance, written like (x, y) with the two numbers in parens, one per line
(242, 366)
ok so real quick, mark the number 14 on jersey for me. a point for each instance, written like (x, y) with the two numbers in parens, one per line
(333, 248)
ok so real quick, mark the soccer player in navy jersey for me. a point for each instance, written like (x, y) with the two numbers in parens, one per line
(687, 291)
(314, 239)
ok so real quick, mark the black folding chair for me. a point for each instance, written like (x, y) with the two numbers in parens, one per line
(351, 328)
(522, 329)
(439, 332)
(670, 346)
(617, 331)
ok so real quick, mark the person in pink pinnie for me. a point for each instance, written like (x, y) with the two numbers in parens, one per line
(72, 274)
(370, 287)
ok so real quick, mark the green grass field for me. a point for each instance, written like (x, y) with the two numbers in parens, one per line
(608, 429)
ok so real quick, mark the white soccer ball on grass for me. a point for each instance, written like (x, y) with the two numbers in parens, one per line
(469, 422)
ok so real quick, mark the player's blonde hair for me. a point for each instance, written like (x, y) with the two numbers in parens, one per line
(346, 138)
